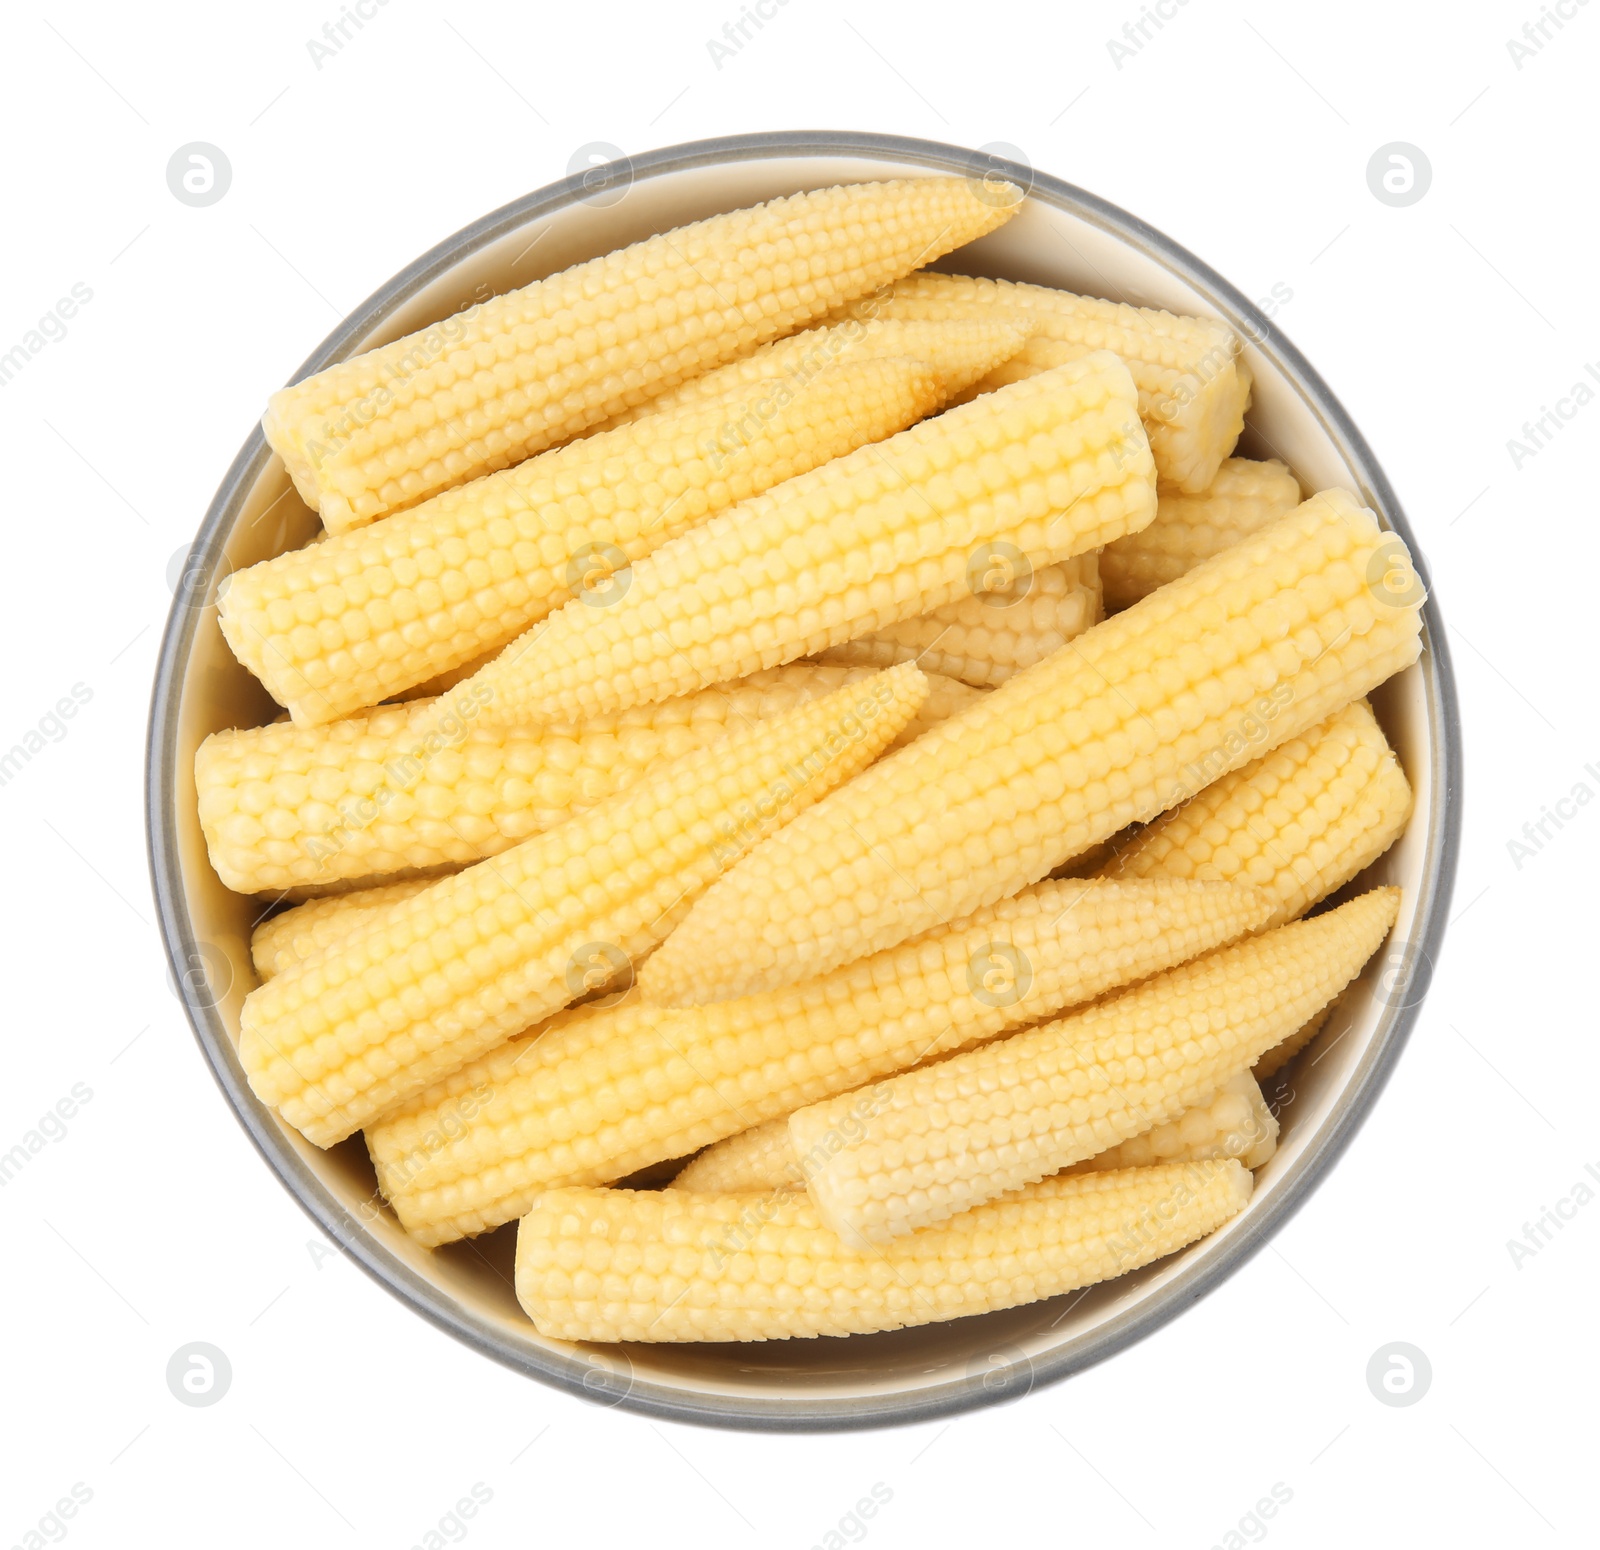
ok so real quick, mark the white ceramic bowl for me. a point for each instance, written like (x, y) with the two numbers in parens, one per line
(1062, 237)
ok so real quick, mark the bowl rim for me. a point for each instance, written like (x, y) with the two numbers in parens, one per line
(595, 1381)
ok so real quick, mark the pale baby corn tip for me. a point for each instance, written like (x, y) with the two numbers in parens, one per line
(939, 1140)
(1136, 716)
(1298, 823)
(1193, 384)
(365, 615)
(1276, 1058)
(991, 635)
(760, 1158)
(296, 934)
(960, 353)
(1242, 498)
(507, 377)
(438, 979)
(1234, 1121)
(591, 1098)
(675, 1265)
(1052, 467)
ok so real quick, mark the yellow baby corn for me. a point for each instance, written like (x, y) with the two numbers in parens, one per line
(420, 786)
(929, 1143)
(610, 1264)
(1243, 498)
(595, 1096)
(755, 1160)
(441, 683)
(1193, 387)
(1234, 1121)
(518, 373)
(1249, 649)
(1047, 469)
(987, 637)
(295, 935)
(1298, 822)
(960, 353)
(442, 977)
(349, 622)
(1282, 1053)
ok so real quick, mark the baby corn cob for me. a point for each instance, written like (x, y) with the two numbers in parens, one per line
(517, 373)
(1251, 648)
(988, 637)
(441, 683)
(1283, 1052)
(1193, 387)
(290, 938)
(424, 785)
(1234, 1121)
(754, 1161)
(960, 353)
(593, 1097)
(443, 977)
(351, 621)
(1243, 498)
(929, 1143)
(1299, 822)
(608, 1264)
(1047, 469)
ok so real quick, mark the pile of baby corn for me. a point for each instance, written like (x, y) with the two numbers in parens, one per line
(707, 740)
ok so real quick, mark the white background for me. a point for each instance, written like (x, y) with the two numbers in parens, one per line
(1245, 134)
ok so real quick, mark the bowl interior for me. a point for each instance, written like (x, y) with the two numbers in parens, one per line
(1059, 238)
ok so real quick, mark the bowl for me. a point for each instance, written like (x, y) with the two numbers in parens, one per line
(1062, 236)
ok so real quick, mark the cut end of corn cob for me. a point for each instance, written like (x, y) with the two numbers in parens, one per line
(1051, 468)
(439, 979)
(613, 1265)
(363, 616)
(592, 1099)
(988, 637)
(1253, 647)
(1299, 822)
(1242, 498)
(427, 785)
(1193, 385)
(507, 377)
(933, 1142)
